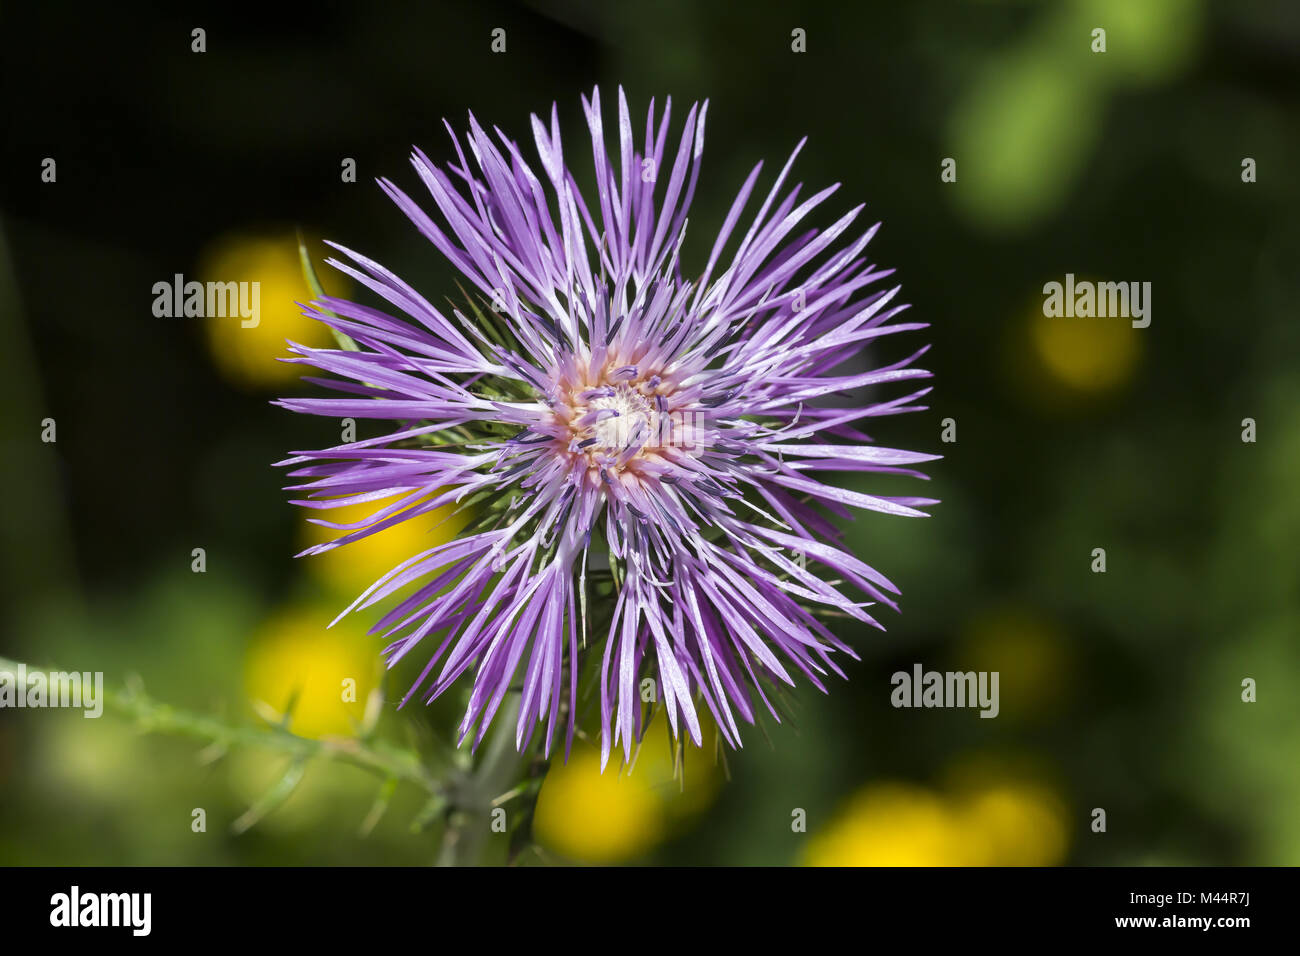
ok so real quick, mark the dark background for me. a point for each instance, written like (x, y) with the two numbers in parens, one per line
(1120, 690)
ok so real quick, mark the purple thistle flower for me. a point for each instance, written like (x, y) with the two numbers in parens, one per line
(629, 440)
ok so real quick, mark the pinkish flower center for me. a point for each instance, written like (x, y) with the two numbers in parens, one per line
(617, 422)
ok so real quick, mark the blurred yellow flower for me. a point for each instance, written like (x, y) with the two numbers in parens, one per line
(1085, 355)
(1020, 824)
(326, 674)
(621, 814)
(246, 356)
(892, 824)
(1028, 652)
(351, 568)
(1009, 823)
(598, 818)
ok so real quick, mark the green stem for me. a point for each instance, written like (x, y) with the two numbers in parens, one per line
(467, 798)
(149, 715)
(469, 819)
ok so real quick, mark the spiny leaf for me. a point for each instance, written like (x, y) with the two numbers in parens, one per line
(313, 283)
(380, 806)
(272, 799)
(432, 810)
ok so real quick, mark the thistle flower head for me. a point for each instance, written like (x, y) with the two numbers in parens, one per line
(641, 451)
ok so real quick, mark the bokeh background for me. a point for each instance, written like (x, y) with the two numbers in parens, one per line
(1119, 690)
